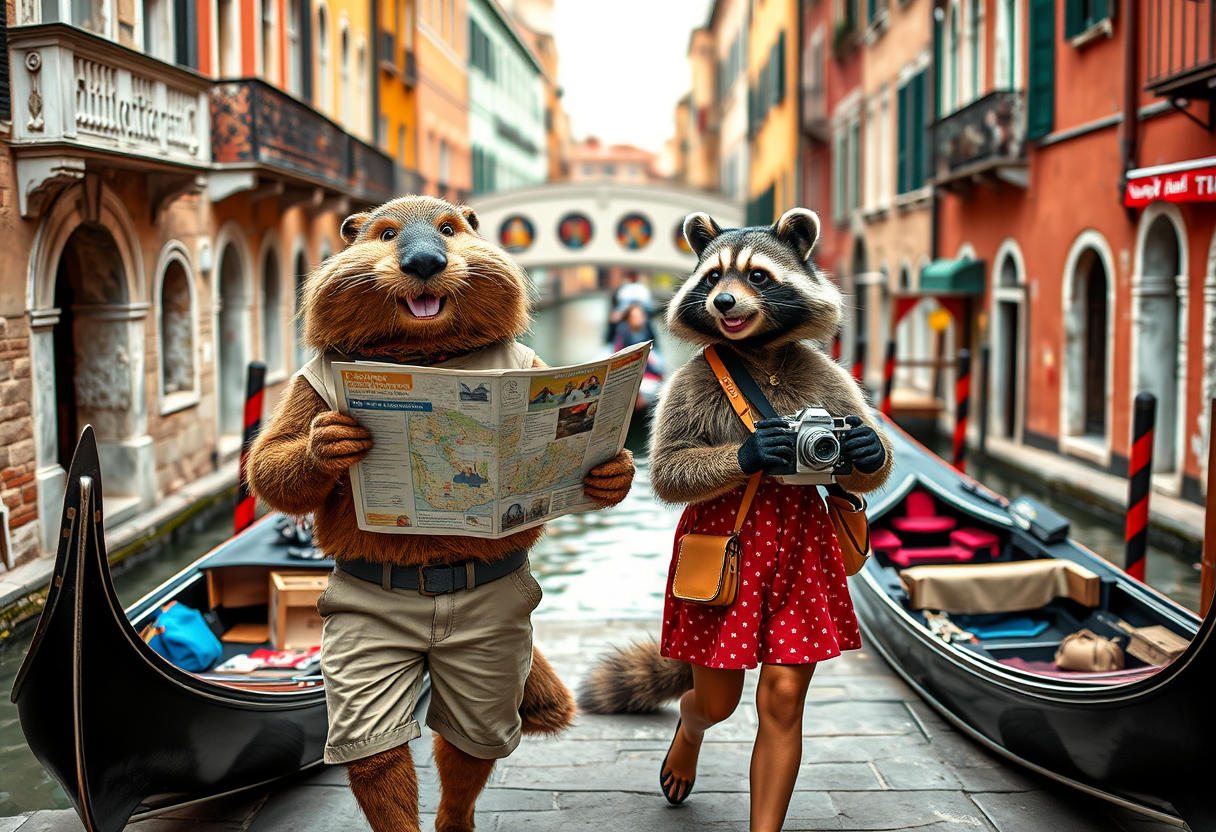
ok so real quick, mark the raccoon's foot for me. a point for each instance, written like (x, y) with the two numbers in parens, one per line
(609, 482)
(336, 442)
(548, 707)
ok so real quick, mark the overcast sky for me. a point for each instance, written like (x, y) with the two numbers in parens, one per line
(624, 64)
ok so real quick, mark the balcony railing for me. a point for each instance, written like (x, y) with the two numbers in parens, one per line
(1181, 59)
(986, 135)
(76, 95)
(815, 121)
(256, 126)
(410, 73)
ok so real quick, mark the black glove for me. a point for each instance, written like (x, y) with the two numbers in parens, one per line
(862, 447)
(771, 446)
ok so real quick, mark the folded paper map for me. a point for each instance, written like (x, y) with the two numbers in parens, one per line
(483, 453)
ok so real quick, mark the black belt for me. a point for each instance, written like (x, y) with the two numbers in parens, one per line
(437, 579)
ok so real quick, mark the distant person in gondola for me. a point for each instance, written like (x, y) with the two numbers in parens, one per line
(631, 292)
(633, 329)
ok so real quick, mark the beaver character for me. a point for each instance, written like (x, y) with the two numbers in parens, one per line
(756, 292)
(416, 285)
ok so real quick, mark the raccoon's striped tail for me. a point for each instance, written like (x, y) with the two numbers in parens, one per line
(633, 680)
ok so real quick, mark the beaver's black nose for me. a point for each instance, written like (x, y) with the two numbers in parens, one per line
(724, 301)
(423, 261)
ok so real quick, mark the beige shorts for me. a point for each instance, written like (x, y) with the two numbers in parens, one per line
(376, 644)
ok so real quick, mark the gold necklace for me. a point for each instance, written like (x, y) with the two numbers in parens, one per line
(772, 377)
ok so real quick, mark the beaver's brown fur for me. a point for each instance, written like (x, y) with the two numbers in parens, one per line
(356, 302)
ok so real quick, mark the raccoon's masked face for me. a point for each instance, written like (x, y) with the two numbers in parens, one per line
(755, 284)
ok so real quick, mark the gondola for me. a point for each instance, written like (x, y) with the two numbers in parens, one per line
(1141, 736)
(126, 732)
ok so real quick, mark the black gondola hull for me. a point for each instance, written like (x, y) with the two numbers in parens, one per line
(121, 729)
(1143, 744)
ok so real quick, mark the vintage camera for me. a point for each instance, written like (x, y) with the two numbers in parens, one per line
(817, 436)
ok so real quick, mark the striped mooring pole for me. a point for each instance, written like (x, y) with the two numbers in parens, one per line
(836, 347)
(1139, 485)
(888, 378)
(859, 361)
(246, 504)
(962, 406)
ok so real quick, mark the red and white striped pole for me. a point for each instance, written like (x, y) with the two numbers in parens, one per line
(1139, 485)
(859, 360)
(246, 503)
(962, 406)
(888, 378)
(836, 347)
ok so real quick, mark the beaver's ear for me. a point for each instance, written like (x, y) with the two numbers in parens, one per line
(700, 230)
(352, 225)
(470, 216)
(798, 228)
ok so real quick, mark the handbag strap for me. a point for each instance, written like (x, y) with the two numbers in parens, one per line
(741, 407)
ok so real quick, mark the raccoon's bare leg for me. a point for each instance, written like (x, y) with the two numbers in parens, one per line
(386, 788)
(713, 698)
(461, 778)
(780, 699)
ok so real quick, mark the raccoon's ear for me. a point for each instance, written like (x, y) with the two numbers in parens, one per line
(700, 230)
(798, 228)
(351, 226)
(470, 216)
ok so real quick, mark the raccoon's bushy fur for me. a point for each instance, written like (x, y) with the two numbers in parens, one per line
(633, 680)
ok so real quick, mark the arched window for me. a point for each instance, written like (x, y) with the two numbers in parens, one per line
(270, 41)
(950, 55)
(324, 81)
(974, 45)
(344, 78)
(272, 312)
(294, 54)
(1005, 61)
(302, 353)
(178, 373)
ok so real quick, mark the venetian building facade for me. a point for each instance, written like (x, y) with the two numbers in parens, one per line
(442, 99)
(772, 63)
(157, 225)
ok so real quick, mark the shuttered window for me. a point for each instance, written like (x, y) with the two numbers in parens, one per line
(911, 138)
(760, 210)
(6, 104)
(838, 164)
(1081, 15)
(1041, 92)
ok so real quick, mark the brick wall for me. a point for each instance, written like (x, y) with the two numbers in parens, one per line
(17, 487)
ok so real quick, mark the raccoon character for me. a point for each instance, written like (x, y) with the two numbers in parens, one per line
(757, 291)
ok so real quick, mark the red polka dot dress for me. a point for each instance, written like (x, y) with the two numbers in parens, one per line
(793, 605)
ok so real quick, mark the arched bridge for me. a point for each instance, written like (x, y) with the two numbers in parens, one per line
(599, 224)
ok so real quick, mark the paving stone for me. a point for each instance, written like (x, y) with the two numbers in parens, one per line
(930, 721)
(298, 808)
(701, 810)
(545, 752)
(1041, 811)
(234, 807)
(915, 774)
(909, 810)
(12, 824)
(857, 719)
(853, 749)
(52, 820)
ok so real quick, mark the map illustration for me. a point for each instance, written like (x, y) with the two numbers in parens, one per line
(452, 458)
(558, 463)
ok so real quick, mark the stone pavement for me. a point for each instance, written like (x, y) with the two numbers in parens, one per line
(874, 758)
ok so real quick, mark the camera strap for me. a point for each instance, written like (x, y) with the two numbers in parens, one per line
(733, 366)
(739, 402)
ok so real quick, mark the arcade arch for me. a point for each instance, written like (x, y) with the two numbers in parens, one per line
(1159, 331)
(234, 327)
(1007, 379)
(1087, 372)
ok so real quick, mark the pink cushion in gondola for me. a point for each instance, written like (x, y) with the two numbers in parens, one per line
(924, 525)
(930, 554)
(884, 540)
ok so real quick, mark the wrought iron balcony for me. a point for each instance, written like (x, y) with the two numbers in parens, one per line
(258, 131)
(815, 121)
(77, 96)
(987, 137)
(1181, 60)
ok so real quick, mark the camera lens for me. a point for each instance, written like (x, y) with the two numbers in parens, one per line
(826, 448)
(818, 448)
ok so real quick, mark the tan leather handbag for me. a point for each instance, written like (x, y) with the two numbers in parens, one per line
(848, 513)
(707, 568)
(1087, 651)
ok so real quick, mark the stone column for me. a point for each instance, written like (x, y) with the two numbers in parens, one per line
(49, 475)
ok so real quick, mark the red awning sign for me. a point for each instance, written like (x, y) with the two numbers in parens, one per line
(1197, 185)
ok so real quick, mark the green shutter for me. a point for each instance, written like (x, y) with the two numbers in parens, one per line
(1074, 19)
(870, 10)
(916, 165)
(1041, 92)
(779, 67)
(855, 190)
(903, 130)
(937, 68)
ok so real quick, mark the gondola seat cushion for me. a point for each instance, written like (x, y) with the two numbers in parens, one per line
(183, 638)
(999, 587)
(908, 556)
(884, 541)
(921, 516)
(976, 541)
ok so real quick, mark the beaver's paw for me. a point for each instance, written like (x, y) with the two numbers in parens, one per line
(609, 482)
(336, 441)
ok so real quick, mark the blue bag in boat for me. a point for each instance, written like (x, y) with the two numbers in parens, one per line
(183, 637)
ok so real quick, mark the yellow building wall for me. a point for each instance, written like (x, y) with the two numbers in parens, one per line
(442, 97)
(350, 102)
(774, 149)
(397, 100)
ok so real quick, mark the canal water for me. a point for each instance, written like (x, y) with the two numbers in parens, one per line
(609, 564)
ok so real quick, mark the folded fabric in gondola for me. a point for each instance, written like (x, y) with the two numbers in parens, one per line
(181, 635)
(1002, 625)
(1042, 668)
(999, 587)
(1085, 650)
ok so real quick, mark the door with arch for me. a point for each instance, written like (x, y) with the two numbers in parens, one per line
(1087, 319)
(1009, 347)
(235, 324)
(1159, 334)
